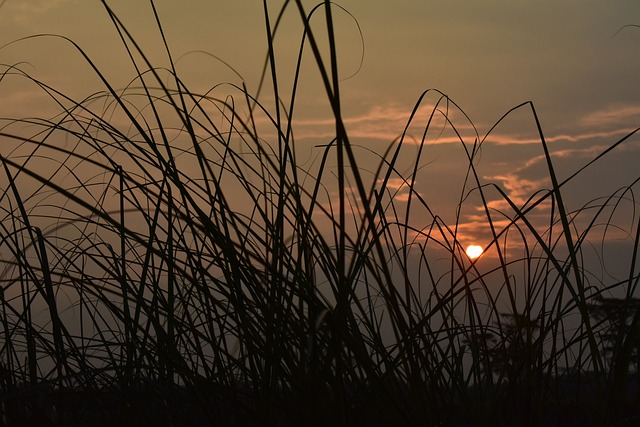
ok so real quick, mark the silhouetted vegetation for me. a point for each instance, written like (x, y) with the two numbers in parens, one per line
(167, 260)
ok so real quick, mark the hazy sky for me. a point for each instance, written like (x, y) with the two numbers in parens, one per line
(486, 55)
(572, 58)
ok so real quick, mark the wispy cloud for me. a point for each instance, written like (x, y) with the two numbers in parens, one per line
(614, 115)
(522, 175)
(400, 189)
(517, 188)
(387, 123)
(579, 136)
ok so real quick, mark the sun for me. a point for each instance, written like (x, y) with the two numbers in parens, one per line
(474, 251)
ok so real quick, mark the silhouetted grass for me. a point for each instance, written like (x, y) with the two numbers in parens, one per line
(166, 260)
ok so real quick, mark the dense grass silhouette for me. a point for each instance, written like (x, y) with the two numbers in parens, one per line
(167, 260)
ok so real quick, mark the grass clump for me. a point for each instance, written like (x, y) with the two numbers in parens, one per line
(168, 260)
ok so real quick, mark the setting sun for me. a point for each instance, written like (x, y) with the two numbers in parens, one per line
(474, 251)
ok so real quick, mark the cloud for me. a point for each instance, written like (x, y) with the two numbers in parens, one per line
(613, 116)
(399, 189)
(518, 189)
(584, 135)
(387, 123)
(522, 174)
(522, 182)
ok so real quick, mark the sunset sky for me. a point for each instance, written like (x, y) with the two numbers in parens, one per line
(574, 59)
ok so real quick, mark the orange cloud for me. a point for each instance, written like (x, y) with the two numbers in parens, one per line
(387, 123)
(510, 139)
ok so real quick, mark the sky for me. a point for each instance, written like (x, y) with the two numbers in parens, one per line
(577, 61)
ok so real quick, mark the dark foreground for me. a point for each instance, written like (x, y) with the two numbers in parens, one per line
(162, 405)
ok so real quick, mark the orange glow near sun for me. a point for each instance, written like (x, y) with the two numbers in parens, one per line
(474, 251)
